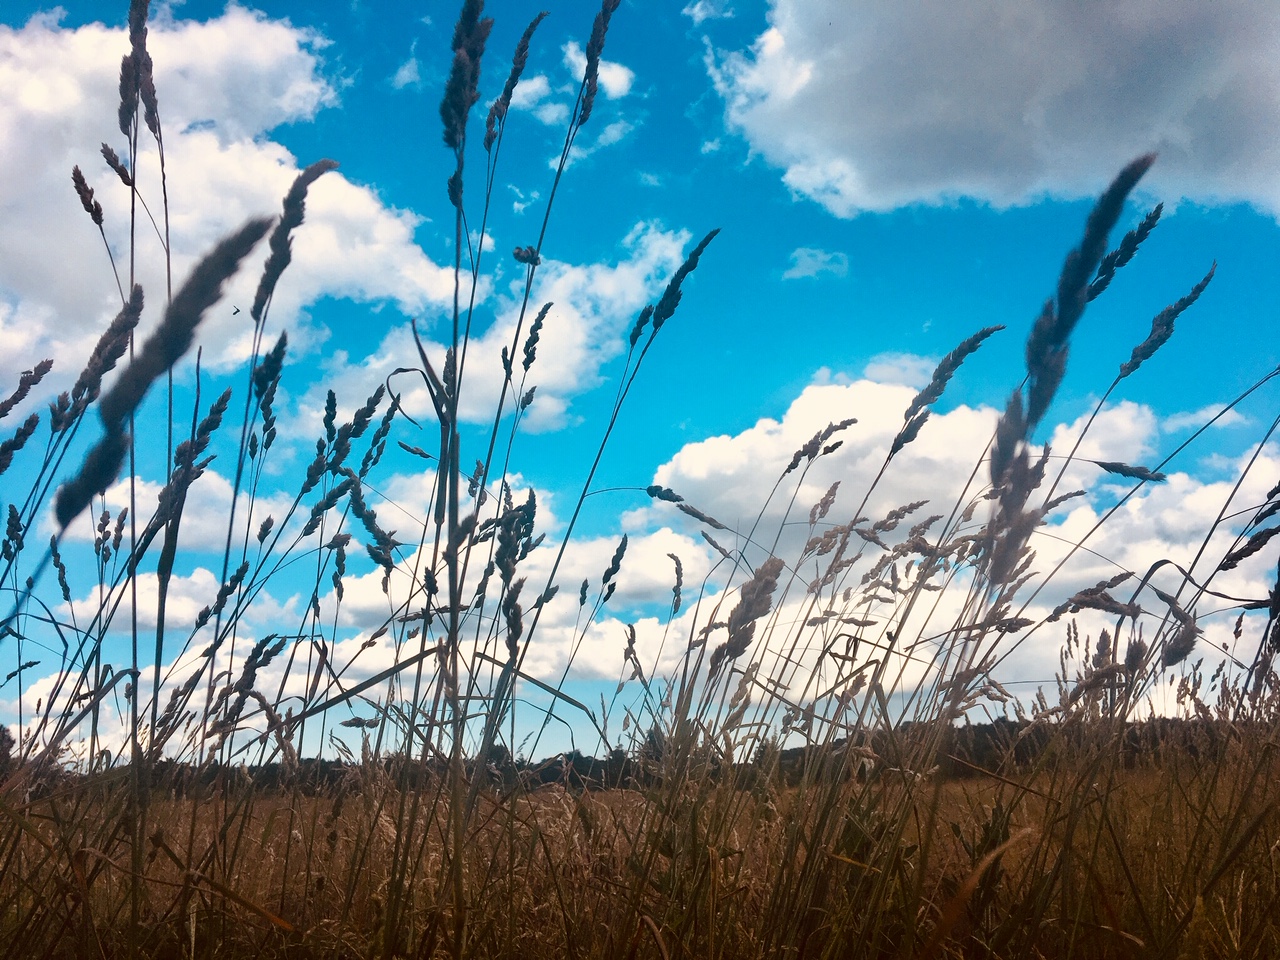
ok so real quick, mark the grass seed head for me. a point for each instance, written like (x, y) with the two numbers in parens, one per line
(176, 331)
(498, 110)
(595, 47)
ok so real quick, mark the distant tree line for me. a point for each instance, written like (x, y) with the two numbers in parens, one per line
(949, 752)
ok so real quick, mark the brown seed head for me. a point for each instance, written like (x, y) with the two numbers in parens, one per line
(1120, 256)
(26, 381)
(113, 161)
(1162, 326)
(176, 331)
(96, 474)
(498, 111)
(128, 94)
(85, 193)
(1179, 647)
(671, 296)
(755, 600)
(106, 353)
(461, 90)
(280, 243)
(595, 47)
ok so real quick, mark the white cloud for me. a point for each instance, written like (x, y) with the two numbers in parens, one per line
(205, 516)
(530, 92)
(1194, 419)
(646, 577)
(534, 95)
(522, 199)
(700, 10)
(1125, 431)
(593, 306)
(611, 134)
(551, 114)
(904, 368)
(810, 262)
(709, 146)
(723, 476)
(408, 74)
(824, 376)
(870, 106)
(223, 86)
(614, 79)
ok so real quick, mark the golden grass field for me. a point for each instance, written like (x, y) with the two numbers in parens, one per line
(1080, 856)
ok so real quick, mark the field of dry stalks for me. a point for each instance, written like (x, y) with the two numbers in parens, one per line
(1082, 853)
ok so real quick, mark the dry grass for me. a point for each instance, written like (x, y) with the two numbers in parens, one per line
(1070, 858)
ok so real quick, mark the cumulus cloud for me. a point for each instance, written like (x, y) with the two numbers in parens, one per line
(1122, 430)
(811, 262)
(205, 516)
(223, 86)
(726, 477)
(552, 114)
(530, 91)
(615, 79)
(868, 106)
(534, 95)
(593, 305)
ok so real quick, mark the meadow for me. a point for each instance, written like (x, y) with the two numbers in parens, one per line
(824, 773)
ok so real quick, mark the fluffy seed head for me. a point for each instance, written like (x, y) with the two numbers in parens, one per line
(176, 331)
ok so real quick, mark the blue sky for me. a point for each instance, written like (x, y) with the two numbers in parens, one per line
(888, 179)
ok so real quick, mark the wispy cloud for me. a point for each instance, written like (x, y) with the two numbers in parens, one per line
(613, 133)
(904, 368)
(700, 10)
(408, 75)
(1194, 419)
(522, 199)
(810, 262)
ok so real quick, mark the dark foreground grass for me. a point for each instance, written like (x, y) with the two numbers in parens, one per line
(1167, 853)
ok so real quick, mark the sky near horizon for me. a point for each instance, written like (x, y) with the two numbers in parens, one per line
(887, 178)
